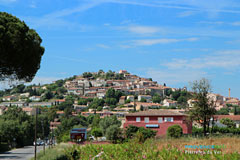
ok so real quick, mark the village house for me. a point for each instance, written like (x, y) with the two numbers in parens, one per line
(35, 98)
(169, 103)
(123, 109)
(55, 124)
(144, 105)
(79, 108)
(235, 118)
(147, 97)
(158, 120)
(9, 98)
(122, 99)
(191, 102)
(101, 94)
(27, 94)
(130, 97)
(156, 90)
(76, 91)
(233, 101)
(122, 72)
(30, 111)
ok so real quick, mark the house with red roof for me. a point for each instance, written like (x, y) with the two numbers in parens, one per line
(158, 120)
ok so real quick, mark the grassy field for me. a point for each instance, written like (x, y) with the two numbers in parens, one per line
(159, 149)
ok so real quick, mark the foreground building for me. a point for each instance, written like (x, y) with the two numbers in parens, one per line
(158, 120)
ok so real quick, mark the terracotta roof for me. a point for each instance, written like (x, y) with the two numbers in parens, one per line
(60, 112)
(60, 100)
(159, 112)
(27, 109)
(232, 117)
(232, 101)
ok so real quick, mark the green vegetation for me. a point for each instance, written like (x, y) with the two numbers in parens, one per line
(17, 128)
(223, 111)
(140, 133)
(96, 132)
(228, 122)
(174, 131)
(110, 75)
(20, 49)
(157, 99)
(150, 149)
(56, 153)
(203, 108)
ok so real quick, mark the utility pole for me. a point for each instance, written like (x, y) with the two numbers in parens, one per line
(52, 137)
(35, 150)
(43, 138)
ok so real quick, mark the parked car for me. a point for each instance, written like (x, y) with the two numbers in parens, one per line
(39, 143)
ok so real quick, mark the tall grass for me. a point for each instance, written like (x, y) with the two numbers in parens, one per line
(56, 153)
(152, 149)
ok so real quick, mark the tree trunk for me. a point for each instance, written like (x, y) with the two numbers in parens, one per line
(204, 127)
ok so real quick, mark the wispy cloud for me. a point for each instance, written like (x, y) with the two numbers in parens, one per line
(43, 80)
(57, 18)
(142, 29)
(150, 42)
(236, 23)
(172, 77)
(103, 46)
(212, 22)
(186, 13)
(211, 7)
(220, 59)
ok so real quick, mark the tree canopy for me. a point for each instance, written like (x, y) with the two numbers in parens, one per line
(20, 49)
(204, 108)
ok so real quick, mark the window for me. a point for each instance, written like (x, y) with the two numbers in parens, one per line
(146, 119)
(168, 119)
(160, 119)
(138, 119)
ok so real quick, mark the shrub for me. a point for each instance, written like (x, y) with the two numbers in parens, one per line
(113, 133)
(139, 132)
(96, 132)
(174, 131)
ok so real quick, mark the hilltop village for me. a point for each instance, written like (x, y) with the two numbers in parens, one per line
(105, 104)
(127, 91)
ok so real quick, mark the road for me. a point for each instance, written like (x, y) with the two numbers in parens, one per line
(20, 154)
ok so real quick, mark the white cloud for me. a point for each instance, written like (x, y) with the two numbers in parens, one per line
(227, 59)
(103, 46)
(149, 42)
(43, 80)
(212, 22)
(187, 13)
(175, 76)
(142, 29)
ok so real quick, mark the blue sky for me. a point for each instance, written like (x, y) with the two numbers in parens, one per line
(172, 41)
